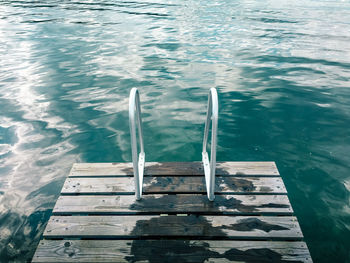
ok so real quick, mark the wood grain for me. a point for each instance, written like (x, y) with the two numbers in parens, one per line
(157, 251)
(250, 219)
(205, 227)
(174, 168)
(126, 204)
(190, 184)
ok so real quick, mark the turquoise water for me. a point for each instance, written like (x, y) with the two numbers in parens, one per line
(281, 69)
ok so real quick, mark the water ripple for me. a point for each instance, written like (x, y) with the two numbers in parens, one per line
(282, 70)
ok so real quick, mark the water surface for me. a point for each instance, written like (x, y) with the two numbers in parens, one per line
(281, 68)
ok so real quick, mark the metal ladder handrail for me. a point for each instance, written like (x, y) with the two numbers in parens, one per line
(138, 160)
(210, 166)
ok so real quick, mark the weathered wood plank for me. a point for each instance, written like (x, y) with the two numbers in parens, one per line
(186, 251)
(190, 184)
(126, 204)
(115, 185)
(251, 191)
(205, 227)
(175, 168)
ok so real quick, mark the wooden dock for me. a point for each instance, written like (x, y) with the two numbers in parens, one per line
(97, 219)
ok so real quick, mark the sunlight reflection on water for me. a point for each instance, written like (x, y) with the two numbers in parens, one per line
(281, 68)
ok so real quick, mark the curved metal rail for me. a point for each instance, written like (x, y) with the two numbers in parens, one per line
(138, 160)
(209, 166)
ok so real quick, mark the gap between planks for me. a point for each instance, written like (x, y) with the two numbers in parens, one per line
(246, 224)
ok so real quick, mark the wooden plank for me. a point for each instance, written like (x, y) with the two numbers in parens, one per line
(115, 185)
(175, 168)
(156, 251)
(205, 227)
(190, 184)
(126, 204)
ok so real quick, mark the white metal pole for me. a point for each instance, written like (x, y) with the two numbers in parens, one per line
(210, 166)
(138, 161)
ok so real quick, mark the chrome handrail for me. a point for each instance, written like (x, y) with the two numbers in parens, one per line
(138, 165)
(209, 166)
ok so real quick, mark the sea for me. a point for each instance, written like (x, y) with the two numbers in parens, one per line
(281, 69)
